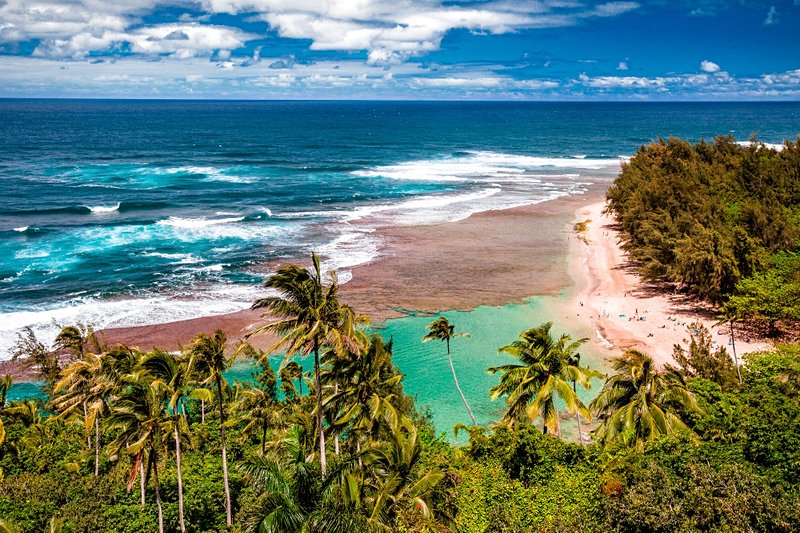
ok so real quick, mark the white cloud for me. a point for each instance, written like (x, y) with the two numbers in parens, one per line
(394, 30)
(772, 16)
(709, 66)
(622, 65)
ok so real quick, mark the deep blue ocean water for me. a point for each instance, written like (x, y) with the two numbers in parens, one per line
(133, 212)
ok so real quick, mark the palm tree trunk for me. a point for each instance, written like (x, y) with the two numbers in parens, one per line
(577, 414)
(263, 439)
(97, 444)
(336, 437)
(455, 379)
(154, 458)
(735, 359)
(180, 478)
(558, 422)
(142, 482)
(358, 451)
(202, 411)
(228, 515)
(86, 418)
(323, 462)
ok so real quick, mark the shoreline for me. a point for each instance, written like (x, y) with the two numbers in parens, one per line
(622, 310)
(492, 258)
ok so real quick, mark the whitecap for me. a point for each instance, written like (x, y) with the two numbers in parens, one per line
(21, 229)
(197, 223)
(100, 209)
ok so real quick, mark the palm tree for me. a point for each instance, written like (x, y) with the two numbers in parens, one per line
(291, 371)
(258, 410)
(441, 330)
(294, 491)
(399, 484)
(366, 399)
(83, 385)
(140, 416)
(169, 372)
(207, 359)
(309, 317)
(640, 403)
(549, 368)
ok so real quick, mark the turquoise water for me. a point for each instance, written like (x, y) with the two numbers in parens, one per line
(121, 213)
(426, 368)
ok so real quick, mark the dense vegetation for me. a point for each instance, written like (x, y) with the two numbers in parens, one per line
(720, 219)
(130, 441)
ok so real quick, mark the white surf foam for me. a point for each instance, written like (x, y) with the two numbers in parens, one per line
(21, 229)
(197, 223)
(775, 146)
(100, 209)
(125, 312)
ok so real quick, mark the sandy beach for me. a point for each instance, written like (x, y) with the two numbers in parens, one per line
(625, 312)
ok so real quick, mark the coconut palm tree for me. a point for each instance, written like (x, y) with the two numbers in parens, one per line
(169, 372)
(365, 400)
(549, 368)
(292, 371)
(441, 330)
(258, 410)
(84, 385)
(640, 403)
(140, 416)
(207, 359)
(308, 316)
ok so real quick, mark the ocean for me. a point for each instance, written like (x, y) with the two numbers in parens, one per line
(120, 213)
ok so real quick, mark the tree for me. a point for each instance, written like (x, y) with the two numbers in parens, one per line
(548, 370)
(441, 330)
(701, 360)
(366, 399)
(207, 359)
(36, 355)
(84, 385)
(171, 373)
(289, 372)
(140, 416)
(638, 403)
(308, 316)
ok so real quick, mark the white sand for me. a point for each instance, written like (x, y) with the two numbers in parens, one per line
(622, 310)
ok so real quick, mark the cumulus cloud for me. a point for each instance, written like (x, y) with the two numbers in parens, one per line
(709, 66)
(392, 31)
(178, 40)
(623, 65)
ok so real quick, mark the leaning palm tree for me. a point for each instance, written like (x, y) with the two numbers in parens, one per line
(548, 370)
(640, 403)
(442, 330)
(291, 371)
(207, 359)
(82, 385)
(308, 316)
(169, 372)
(139, 416)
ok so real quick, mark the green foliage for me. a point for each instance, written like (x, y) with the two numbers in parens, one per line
(699, 359)
(707, 215)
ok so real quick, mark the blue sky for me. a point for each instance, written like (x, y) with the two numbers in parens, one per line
(406, 49)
